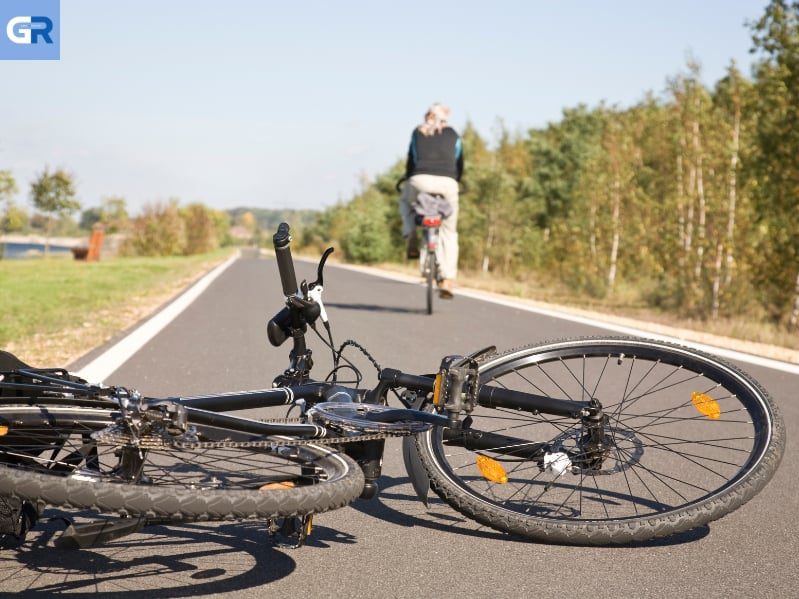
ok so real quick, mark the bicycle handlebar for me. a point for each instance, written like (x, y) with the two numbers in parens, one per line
(490, 396)
(285, 264)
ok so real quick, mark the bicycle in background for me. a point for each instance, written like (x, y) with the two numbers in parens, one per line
(430, 211)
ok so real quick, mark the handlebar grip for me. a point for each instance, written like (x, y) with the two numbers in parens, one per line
(285, 264)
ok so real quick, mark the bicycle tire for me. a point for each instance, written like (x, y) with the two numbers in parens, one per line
(430, 276)
(675, 464)
(48, 458)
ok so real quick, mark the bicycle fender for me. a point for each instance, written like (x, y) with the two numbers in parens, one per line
(416, 472)
(413, 464)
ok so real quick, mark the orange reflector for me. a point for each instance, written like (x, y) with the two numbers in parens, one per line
(288, 484)
(706, 405)
(491, 470)
(3, 430)
(437, 390)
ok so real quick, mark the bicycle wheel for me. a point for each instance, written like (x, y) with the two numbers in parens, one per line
(430, 277)
(48, 456)
(691, 439)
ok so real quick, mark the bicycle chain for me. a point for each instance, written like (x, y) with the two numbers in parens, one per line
(121, 437)
(364, 351)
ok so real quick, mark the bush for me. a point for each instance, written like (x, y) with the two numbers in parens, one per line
(201, 233)
(367, 237)
(158, 231)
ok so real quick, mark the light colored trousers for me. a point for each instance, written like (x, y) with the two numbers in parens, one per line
(447, 252)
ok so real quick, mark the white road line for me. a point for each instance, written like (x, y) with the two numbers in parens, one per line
(106, 363)
(622, 329)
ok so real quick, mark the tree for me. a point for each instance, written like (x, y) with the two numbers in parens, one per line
(558, 154)
(15, 219)
(366, 235)
(158, 231)
(114, 214)
(201, 234)
(247, 220)
(89, 218)
(54, 194)
(776, 36)
(221, 220)
(8, 187)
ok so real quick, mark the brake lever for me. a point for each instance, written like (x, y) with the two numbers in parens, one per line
(319, 278)
(314, 291)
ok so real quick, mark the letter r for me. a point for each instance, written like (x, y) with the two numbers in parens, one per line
(43, 32)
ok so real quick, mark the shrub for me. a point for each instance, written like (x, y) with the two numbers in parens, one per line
(158, 231)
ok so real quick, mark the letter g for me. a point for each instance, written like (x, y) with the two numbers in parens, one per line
(18, 30)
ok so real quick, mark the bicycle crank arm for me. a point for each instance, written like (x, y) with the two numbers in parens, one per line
(403, 415)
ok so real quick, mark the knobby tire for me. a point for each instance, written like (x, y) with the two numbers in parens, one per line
(693, 438)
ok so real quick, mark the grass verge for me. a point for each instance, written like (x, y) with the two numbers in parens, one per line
(54, 310)
(703, 331)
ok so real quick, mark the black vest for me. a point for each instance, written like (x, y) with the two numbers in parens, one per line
(436, 154)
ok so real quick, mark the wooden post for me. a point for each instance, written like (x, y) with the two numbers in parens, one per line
(95, 242)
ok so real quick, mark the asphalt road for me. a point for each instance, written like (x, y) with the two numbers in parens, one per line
(393, 546)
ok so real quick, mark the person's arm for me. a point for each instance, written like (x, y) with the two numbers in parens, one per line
(410, 163)
(459, 158)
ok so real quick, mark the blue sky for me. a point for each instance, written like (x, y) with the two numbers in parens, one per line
(278, 104)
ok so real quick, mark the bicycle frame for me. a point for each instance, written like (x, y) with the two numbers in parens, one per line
(211, 410)
(447, 410)
(206, 410)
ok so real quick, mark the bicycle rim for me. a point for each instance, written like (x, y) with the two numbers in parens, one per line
(48, 455)
(691, 439)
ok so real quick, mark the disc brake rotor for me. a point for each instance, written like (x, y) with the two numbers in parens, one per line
(626, 451)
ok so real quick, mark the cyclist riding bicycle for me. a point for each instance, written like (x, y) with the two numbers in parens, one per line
(434, 166)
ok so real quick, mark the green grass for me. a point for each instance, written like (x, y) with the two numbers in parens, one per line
(49, 295)
(626, 302)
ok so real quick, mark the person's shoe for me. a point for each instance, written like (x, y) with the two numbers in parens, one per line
(413, 247)
(445, 289)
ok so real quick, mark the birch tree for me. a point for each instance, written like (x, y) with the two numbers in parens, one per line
(54, 194)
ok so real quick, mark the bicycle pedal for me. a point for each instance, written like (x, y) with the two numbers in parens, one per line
(17, 517)
(290, 532)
